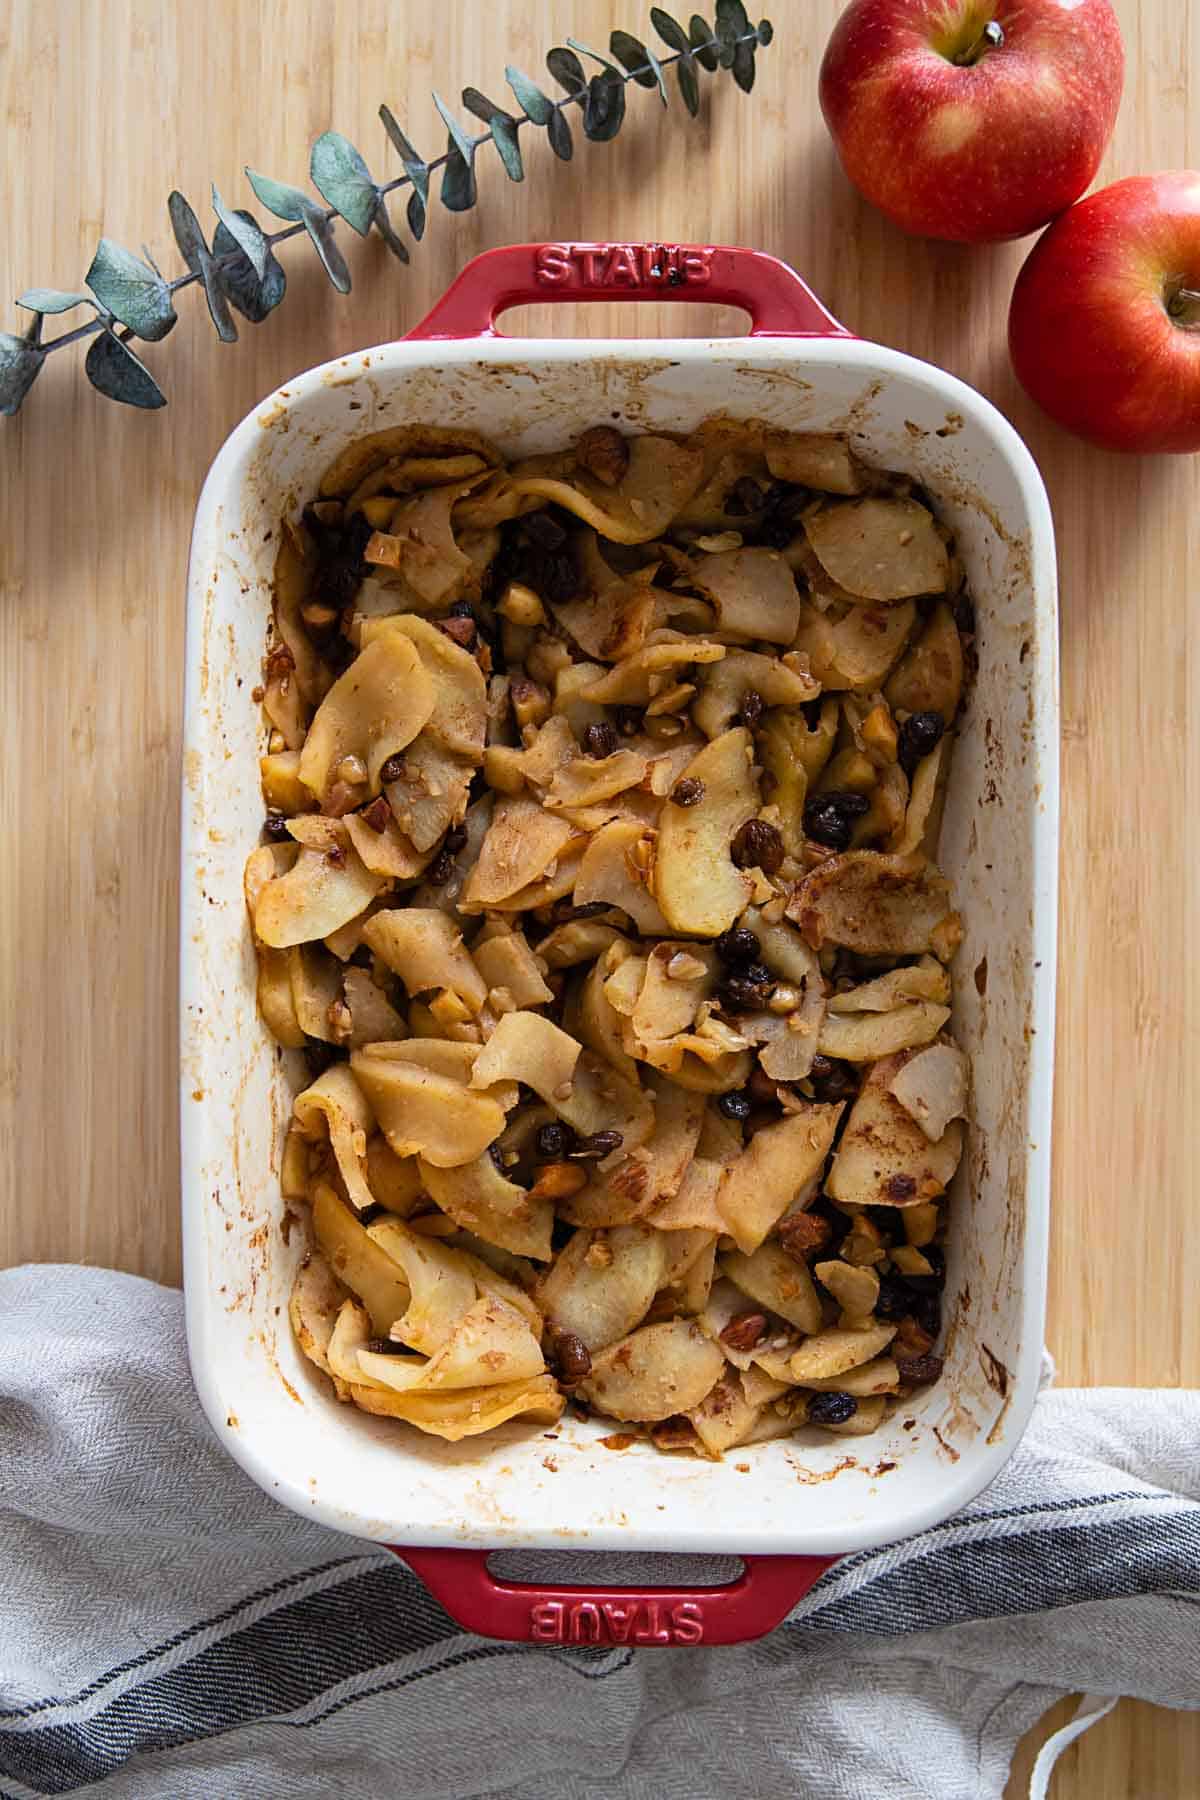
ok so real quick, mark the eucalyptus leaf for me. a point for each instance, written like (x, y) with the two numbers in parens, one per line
(700, 35)
(278, 197)
(114, 370)
(529, 96)
(503, 128)
(670, 30)
(731, 23)
(341, 177)
(320, 231)
(458, 193)
(567, 70)
(195, 253)
(415, 166)
(253, 295)
(133, 293)
(247, 235)
(294, 205)
(641, 62)
(604, 108)
(559, 134)
(387, 231)
(52, 300)
(20, 366)
(596, 56)
(458, 181)
(416, 215)
(689, 87)
(743, 64)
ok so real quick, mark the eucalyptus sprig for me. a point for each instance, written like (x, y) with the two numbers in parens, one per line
(130, 298)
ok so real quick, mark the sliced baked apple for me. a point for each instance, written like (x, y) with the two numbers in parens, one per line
(814, 460)
(778, 681)
(880, 549)
(753, 591)
(655, 1372)
(777, 1163)
(370, 713)
(873, 904)
(425, 948)
(660, 476)
(696, 885)
(422, 1114)
(884, 1157)
(929, 677)
(480, 1198)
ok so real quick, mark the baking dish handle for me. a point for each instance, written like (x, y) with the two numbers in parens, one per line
(779, 303)
(643, 1617)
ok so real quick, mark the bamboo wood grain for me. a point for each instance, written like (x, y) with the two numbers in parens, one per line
(102, 110)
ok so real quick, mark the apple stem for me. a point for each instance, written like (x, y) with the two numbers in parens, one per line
(1183, 308)
(990, 38)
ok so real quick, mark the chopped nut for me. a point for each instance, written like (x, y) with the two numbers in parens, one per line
(599, 1254)
(557, 1181)
(340, 1022)
(317, 616)
(377, 814)
(785, 998)
(744, 1330)
(276, 742)
(604, 453)
(462, 631)
(911, 1338)
(530, 701)
(352, 770)
(521, 605)
(564, 1090)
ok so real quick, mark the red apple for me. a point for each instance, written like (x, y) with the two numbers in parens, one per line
(1104, 328)
(972, 120)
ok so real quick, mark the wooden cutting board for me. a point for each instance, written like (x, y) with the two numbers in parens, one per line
(104, 110)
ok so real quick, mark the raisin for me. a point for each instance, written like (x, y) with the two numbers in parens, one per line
(460, 631)
(600, 740)
(386, 1347)
(757, 845)
(753, 707)
(804, 1235)
(600, 1143)
(831, 1409)
(919, 734)
(629, 720)
(829, 818)
(462, 609)
(927, 1311)
(832, 1080)
(393, 769)
(737, 946)
(553, 1141)
(919, 1371)
(782, 504)
(901, 1187)
(571, 1358)
(544, 530)
(455, 839)
(275, 827)
(745, 496)
(734, 1106)
(894, 1300)
(440, 869)
(688, 792)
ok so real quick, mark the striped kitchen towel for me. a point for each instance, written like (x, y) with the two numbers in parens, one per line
(167, 1631)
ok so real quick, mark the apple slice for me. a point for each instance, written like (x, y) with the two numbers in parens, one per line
(657, 1371)
(482, 1200)
(776, 1164)
(660, 477)
(600, 1300)
(778, 681)
(873, 904)
(696, 884)
(880, 549)
(372, 711)
(884, 1157)
(754, 593)
(422, 1114)
(814, 460)
(929, 678)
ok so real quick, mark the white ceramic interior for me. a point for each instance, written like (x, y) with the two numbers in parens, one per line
(812, 1493)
